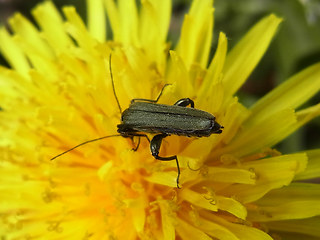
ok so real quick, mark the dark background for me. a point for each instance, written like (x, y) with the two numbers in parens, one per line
(296, 45)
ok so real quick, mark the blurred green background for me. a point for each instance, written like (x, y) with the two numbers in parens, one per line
(296, 45)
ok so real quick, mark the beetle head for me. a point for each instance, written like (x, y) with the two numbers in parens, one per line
(216, 128)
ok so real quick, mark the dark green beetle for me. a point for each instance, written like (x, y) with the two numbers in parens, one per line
(147, 116)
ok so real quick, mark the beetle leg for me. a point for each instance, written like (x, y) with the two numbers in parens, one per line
(136, 147)
(185, 102)
(150, 100)
(155, 145)
(136, 135)
(142, 135)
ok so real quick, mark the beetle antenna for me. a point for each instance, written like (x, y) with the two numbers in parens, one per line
(114, 91)
(79, 145)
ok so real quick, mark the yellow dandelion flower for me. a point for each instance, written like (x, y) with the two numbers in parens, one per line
(58, 93)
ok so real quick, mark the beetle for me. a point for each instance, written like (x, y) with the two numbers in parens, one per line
(148, 116)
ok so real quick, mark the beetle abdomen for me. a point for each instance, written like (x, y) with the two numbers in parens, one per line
(176, 120)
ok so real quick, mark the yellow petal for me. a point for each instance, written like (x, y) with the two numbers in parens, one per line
(96, 19)
(313, 168)
(211, 92)
(164, 178)
(51, 22)
(38, 61)
(124, 21)
(137, 209)
(308, 226)
(215, 174)
(199, 200)
(296, 191)
(306, 115)
(186, 231)
(104, 171)
(274, 129)
(206, 144)
(264, 134)
(217, 63)
(162, 9)
(240, 231)
(232, 206)
(154, 25)
(31, 36)
(31, 42)
(114, 18)
(233, 119)
(168, 220)
(12, 53)
(178, 74)
(134, 70)
(77, 29)
(290, 94)
(9, 88)
(244, 232)
(244, 57)
(288, 210)
(272, 173)
(215, 230)
(196, 34)
(229, 175)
